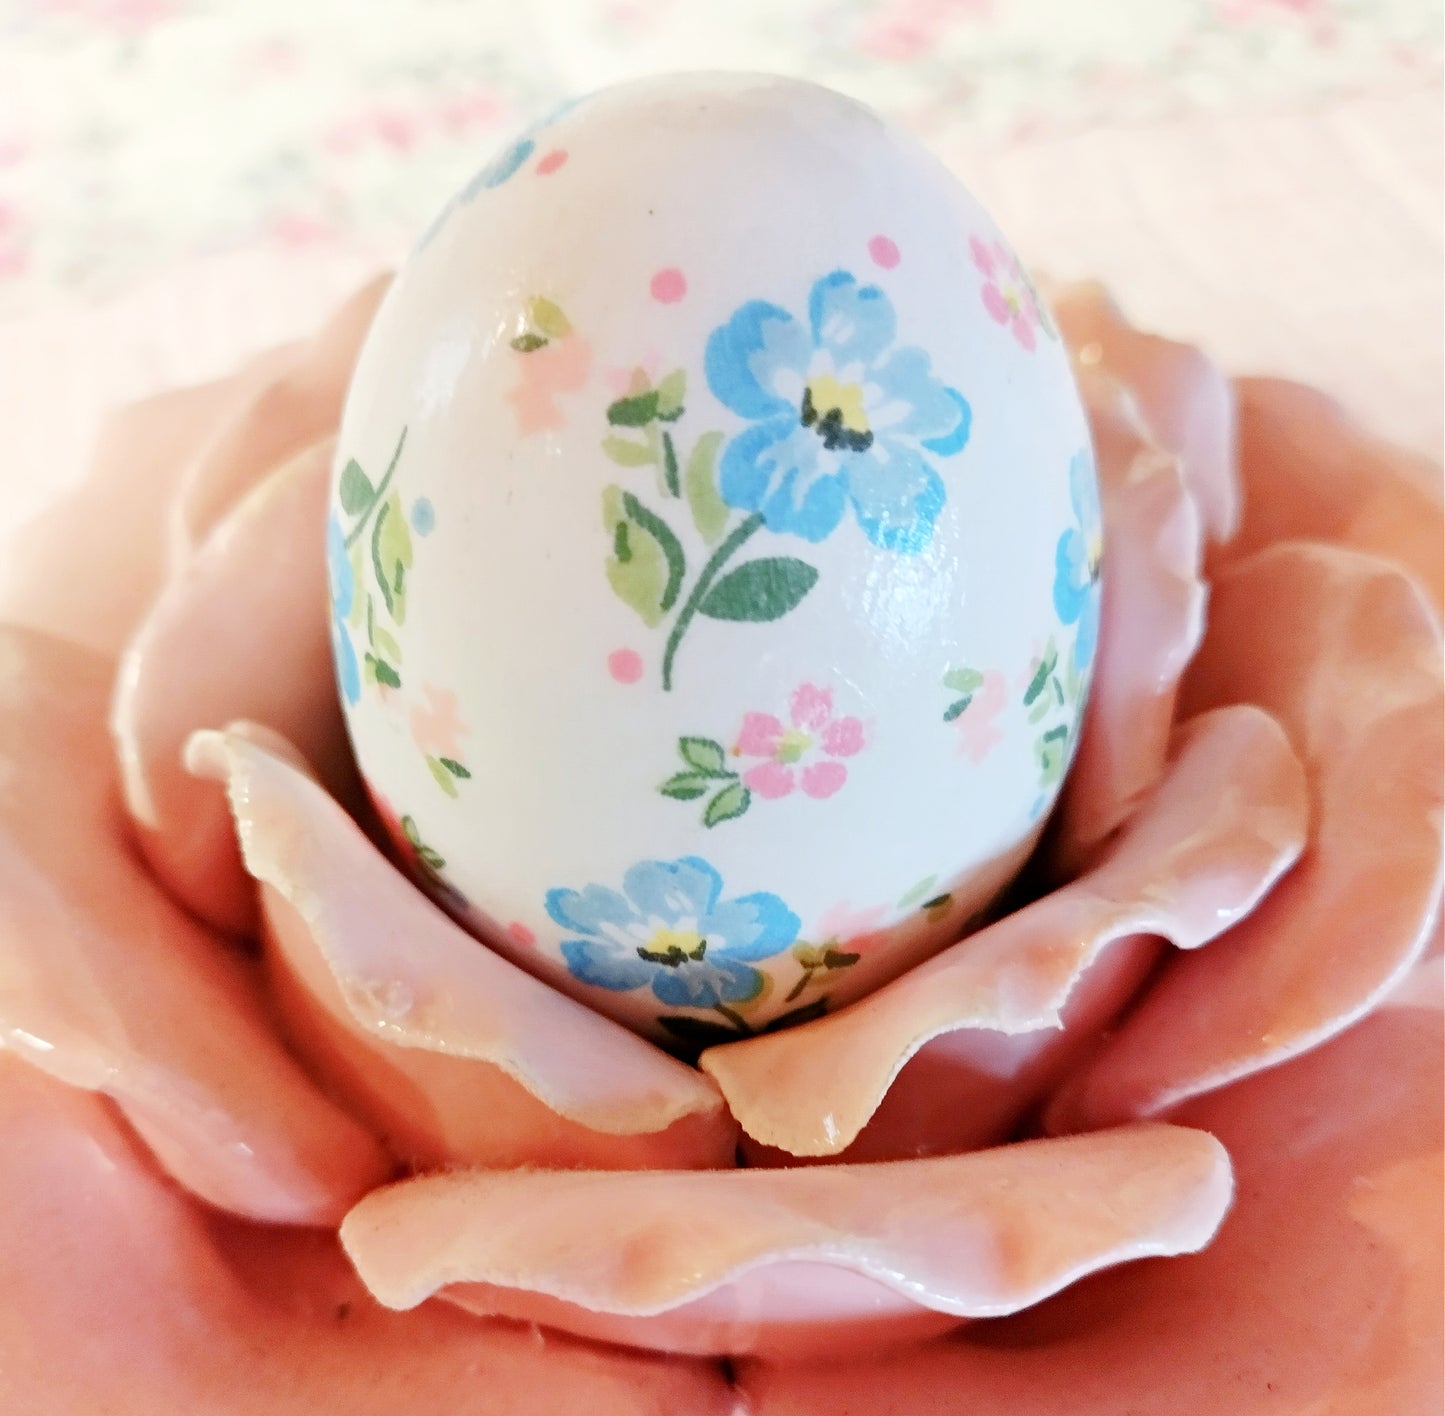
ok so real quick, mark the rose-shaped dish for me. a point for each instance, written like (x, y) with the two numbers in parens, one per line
(281, 1137)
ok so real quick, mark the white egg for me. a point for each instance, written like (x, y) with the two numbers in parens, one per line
(715, 554)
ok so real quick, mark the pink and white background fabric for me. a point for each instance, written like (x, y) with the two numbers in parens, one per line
(185, 181)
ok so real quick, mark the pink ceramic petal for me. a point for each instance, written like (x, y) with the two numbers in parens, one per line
(821, 779)
(760, 735)
(769, 779)
(240, 632)
(1343, 649)
(105, 983)
(87, 567)
(983, 258)
(295, 409)
(1226, 820)
(1153, 616)
(123, 1298)
(1310, 473)
(790, 1260)
(455, 1054)
(1186, 401)
(1321, 1293)
(811, 707)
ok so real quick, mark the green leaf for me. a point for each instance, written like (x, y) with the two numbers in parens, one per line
(626, 453)
(529, 343)
(653, 525)
(547, 317)
(386, 643)
(455, 768)
(839, 959)
(430, 858)
(918, 892)
(391, 555)
(938, 903)
(635, 411)
(704, 754)
(810, 956)
(687, 786)
(409, 830)
(638, 569)
(727, 805)
(360, 604)
(709, 510)
(966, 681)
(357, 493)
(443, 777)
(699, 1033)
(1040, 710)
(955, 710)
(1043, 672)
(384, 672)
(671, 391)
(759, 591)
(1052, 750)
(670, 481)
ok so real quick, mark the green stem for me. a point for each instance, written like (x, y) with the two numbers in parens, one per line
(720, 557)
(355, 532)
(669, 463)
(376, 565)
(801, 984)
(736, 1019)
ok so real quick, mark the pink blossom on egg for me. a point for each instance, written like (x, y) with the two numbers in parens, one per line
(805, 753)
(1007, 295)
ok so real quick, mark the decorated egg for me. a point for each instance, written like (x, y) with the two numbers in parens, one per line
(714, 551)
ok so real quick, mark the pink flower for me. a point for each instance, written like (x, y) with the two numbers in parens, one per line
(560, 366)
(437, 728)
(1007, 294)
(806, 753)
(978, 730)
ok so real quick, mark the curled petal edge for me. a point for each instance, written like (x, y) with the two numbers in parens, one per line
(1227, 820)
(456, 1054)
(788, 1262)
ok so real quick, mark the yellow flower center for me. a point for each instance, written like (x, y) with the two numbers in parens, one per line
(835, 412)
(792, 745)
(1095, 544)
(673, 946)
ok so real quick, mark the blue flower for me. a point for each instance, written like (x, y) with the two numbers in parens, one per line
(1076, 561)
(668, 928)
(840, 417)
(343, 596)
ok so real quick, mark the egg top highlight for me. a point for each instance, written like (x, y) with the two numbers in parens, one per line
(715, 552)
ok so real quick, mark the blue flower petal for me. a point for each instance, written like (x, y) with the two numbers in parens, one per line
(778, 467)
(747, 359)
(605, 966)
(669, 891)
(499, 169)
(910, 402)
(896, 496)
(706, 983)
(753, 926)
(946, 444)
(348, 671)
(1072, 581)
(854, 323)
(592, 910)
(338, 565)
(1084, 490)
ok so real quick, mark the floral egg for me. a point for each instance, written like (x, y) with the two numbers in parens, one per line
(714, 552)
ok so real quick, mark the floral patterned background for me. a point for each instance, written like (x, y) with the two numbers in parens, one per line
(182, 181)
(137, 133)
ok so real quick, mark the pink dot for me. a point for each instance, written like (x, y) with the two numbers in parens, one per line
(884, 251)
(551, 162)
(518, 933)
(669, 286)
(625, 665)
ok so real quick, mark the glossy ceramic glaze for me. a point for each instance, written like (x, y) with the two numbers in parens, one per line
(715, 554)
